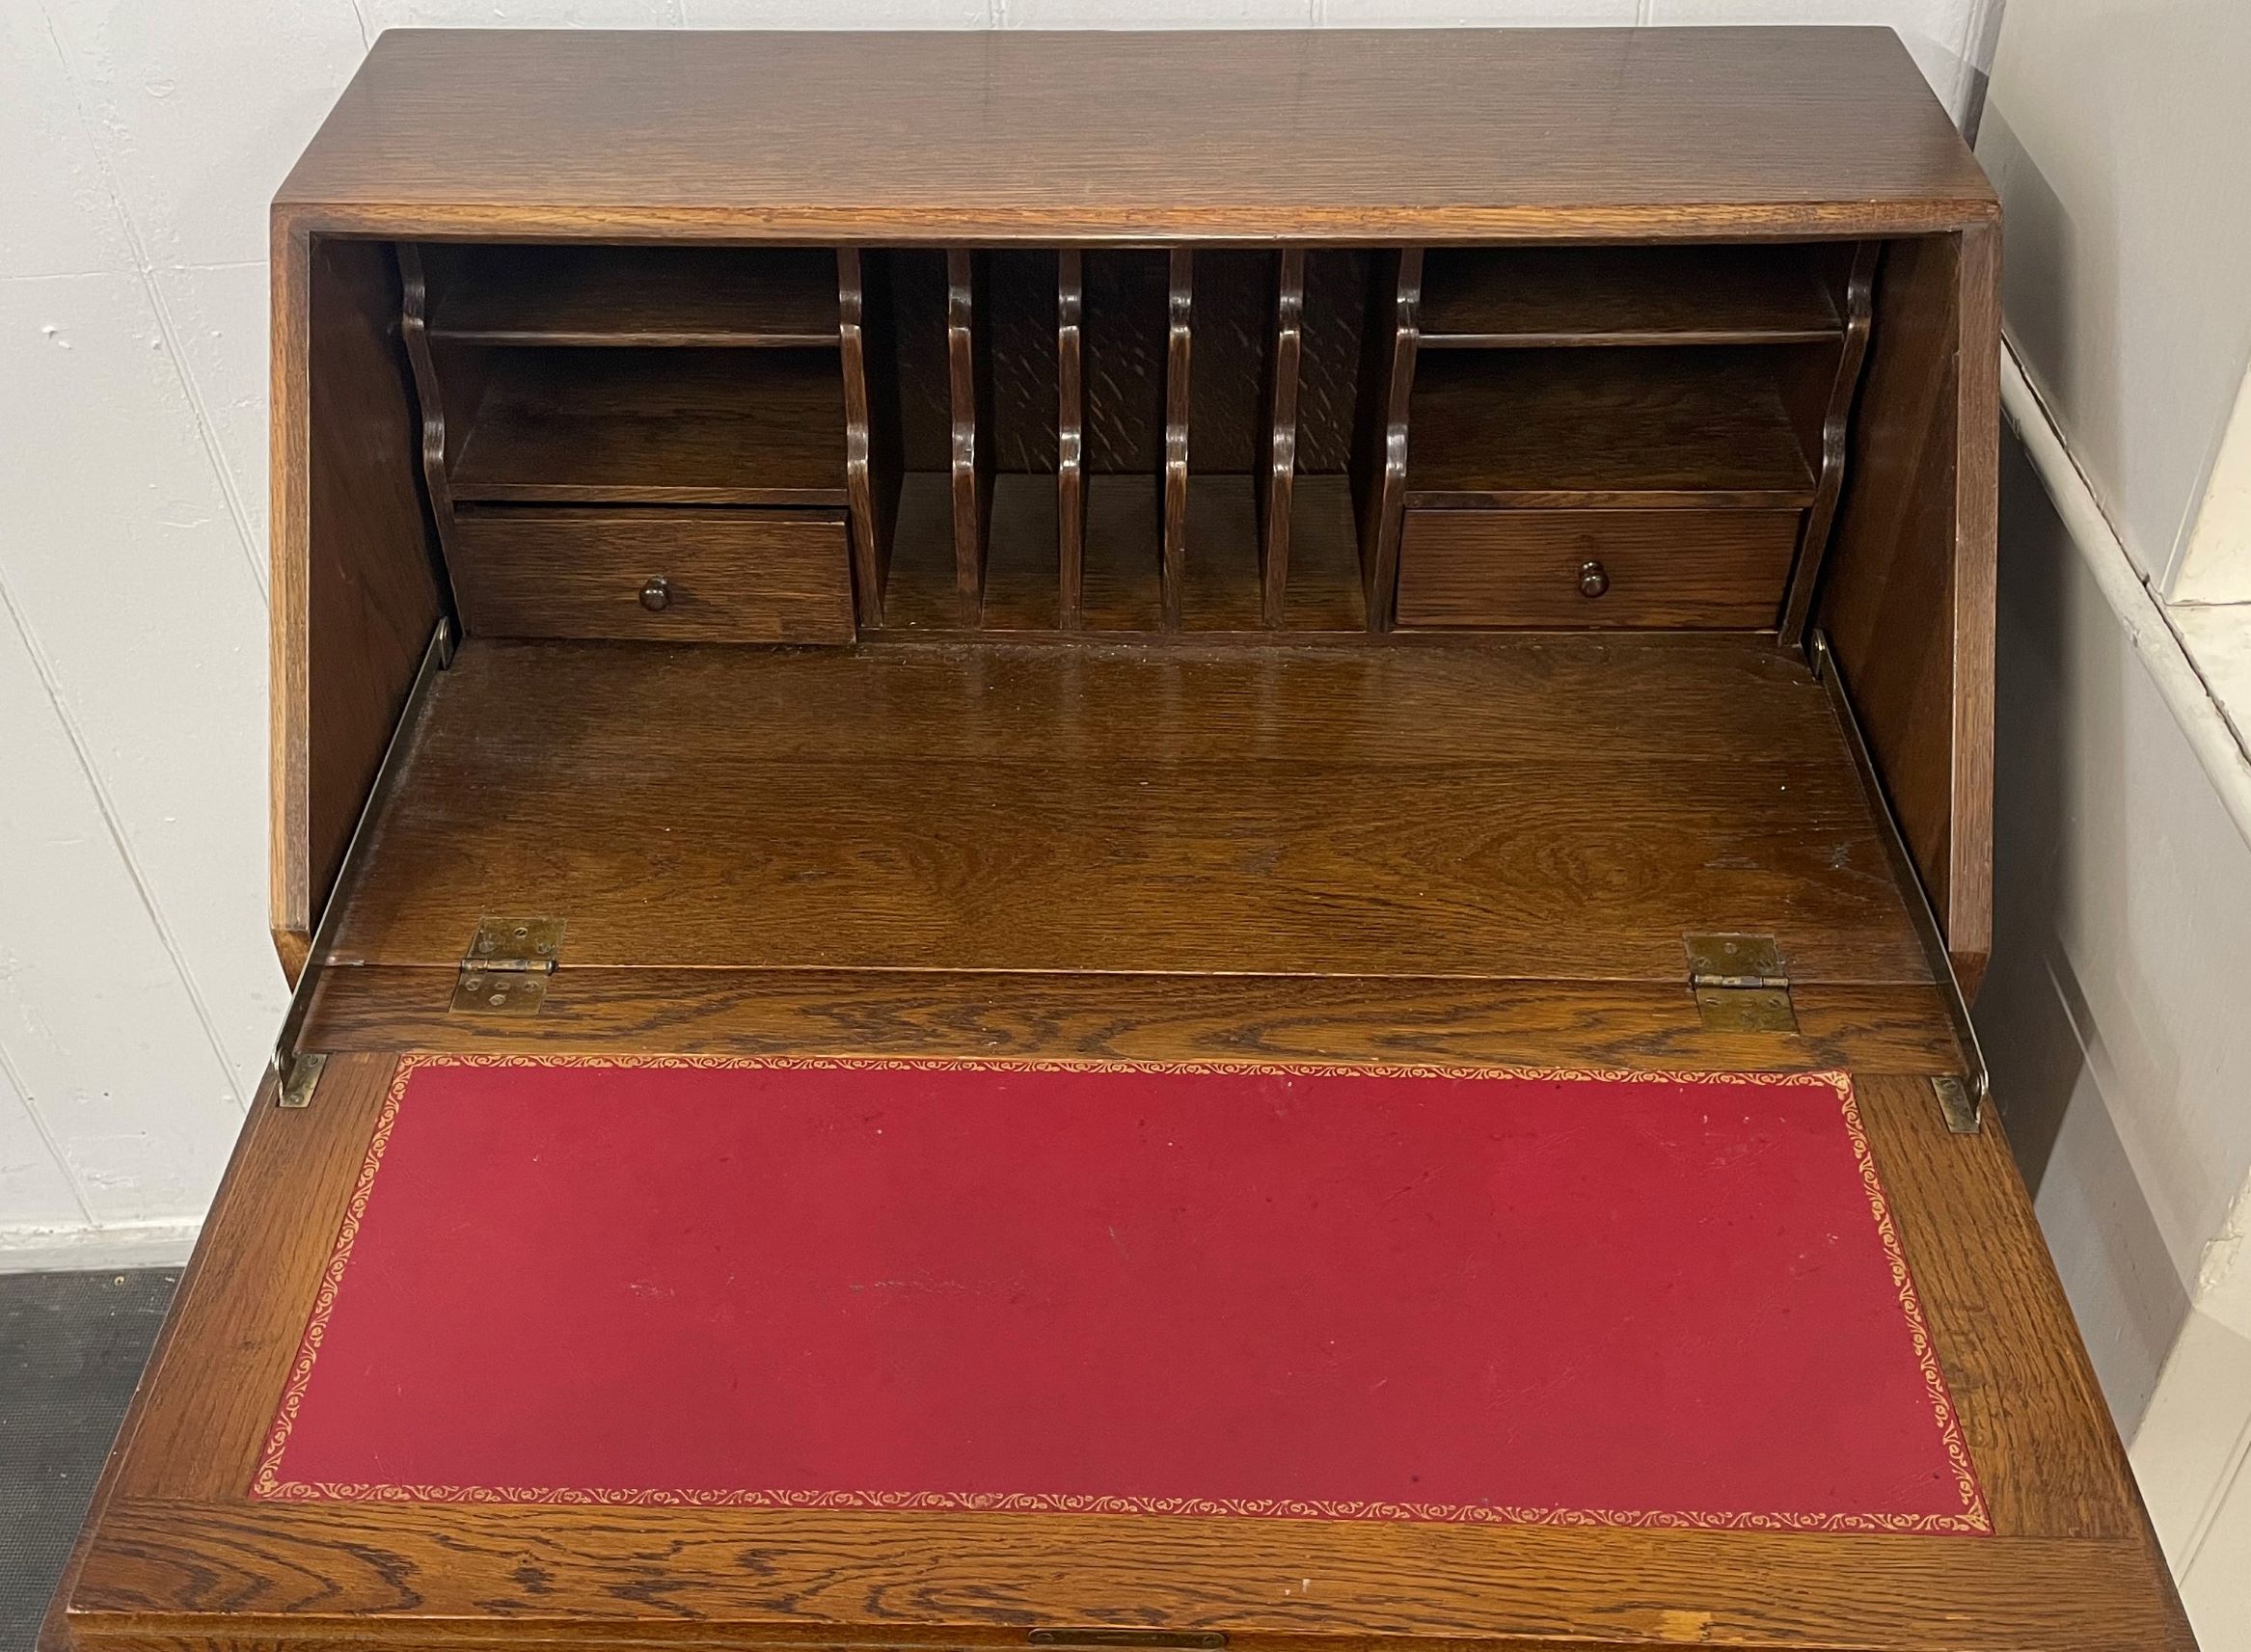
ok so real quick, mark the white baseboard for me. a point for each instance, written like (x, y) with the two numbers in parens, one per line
(122, 1245)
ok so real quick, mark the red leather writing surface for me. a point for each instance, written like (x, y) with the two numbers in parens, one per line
(1331, 1294)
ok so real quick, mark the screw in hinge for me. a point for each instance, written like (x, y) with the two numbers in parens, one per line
(300, 1073)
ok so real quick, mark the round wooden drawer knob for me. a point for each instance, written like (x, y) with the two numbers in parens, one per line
(656, 595)
(1594, 578)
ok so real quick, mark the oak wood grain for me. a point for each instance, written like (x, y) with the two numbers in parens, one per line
(969, 395)
(1278, 455)
(1835, 427)
(1380, 427)
(1907, 591)
(1180, 340)
(1179, 829)
(1350, 136)
(641, 297)
(355, 588)
(1690, 570)
(1647, 427)
(1547, 297)
(1643, 1025)
(211, 1398)
(873, 450)
(181, 1552)
(2012, 1357)
(1328, 368)
(1069, 437)
(430, 404)
(718, 1578)
(726, 576)
(1471, 809)
(658, 426)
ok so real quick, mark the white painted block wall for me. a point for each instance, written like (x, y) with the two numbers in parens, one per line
(2122, 963)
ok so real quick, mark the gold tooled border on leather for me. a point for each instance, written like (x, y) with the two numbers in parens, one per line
(1974, 1519)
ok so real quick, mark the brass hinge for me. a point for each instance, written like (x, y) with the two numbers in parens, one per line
(1739, 984)
(505, 970)
(300, 1074)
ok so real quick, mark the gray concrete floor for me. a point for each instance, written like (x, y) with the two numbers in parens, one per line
(72, 1347)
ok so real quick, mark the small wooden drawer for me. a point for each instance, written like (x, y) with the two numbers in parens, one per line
(1570, 569)
(701, 576)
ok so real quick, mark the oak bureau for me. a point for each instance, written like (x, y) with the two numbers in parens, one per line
(1354, 550)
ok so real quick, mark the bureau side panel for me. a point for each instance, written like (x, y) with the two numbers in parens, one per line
(355, 590)
(1908, 600)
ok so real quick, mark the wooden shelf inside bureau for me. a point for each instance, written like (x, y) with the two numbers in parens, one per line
(623, 297)
(1701, 426)
(685, 426)
(1529, 298)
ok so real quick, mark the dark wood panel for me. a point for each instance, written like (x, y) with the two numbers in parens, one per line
(1562, 296)
(1379, 425)
(946, 808)
(430, 389)
(1646, 1026)
(1179, 401)
(1275, 459)
(1125, 534)
(1708, 569)
(1235, 324)
(179, 1540)
(355, 590)
(1603, 427)
(1121, 596)
(1328, 372)
(1221, 588)
(207, 1405)
(918, 322)
(1069, 437)
(1023, 592)
(216, 1285)
(1019, 315)
(1907, 597)
(678, 576)
(969, 391)
(1325, 592)
(2019, 1378)
(939, 1581)
(685, 427)
(640, 296)
(918, 592)
(1827, 399)
(1127, 297)
(874, 459)
(1353, 136)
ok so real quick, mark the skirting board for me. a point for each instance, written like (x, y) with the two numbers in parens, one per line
(119, 1245)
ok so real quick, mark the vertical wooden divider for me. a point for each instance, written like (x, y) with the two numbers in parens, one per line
(413, 327)
(1069, 436)
(1379, 434)
(872, 466)
(1177, 339)
(1271, 487)
(969, 383)
(1835, 429)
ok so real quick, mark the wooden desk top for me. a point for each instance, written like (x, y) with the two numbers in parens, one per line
(1312, 135)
